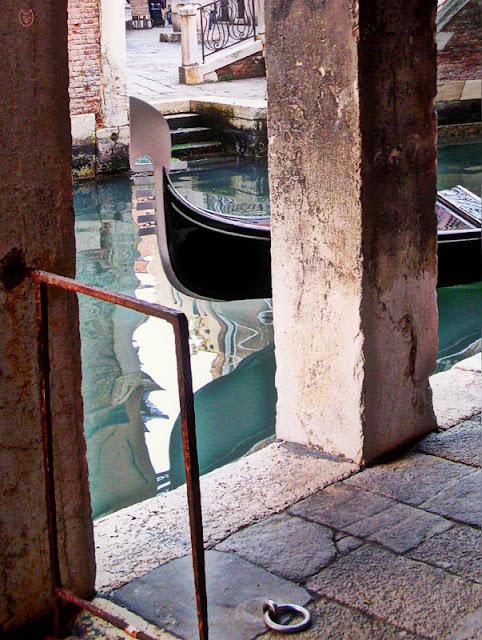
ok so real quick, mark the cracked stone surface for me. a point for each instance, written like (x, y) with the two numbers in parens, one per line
(412, 595)
(400, 527)
(287, 546)
(236, 591)
(340, 505)
(347, 543)
(460, 444)
(457, 550)
(135, 540)
(333, 621)
(414, 478)
(460, 500)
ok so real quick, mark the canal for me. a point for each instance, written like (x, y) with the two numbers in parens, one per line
(128, 360)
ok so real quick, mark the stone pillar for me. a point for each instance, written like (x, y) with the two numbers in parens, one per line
(352, 149)
(259, 13)
(37, 230)
(189, 72)
(113, 124)
(176, 18)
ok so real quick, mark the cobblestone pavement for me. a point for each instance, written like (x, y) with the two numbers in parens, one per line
(152, 72)
(391, 552)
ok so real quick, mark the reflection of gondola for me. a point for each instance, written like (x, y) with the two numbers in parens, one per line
(228, 257)
(233, 413)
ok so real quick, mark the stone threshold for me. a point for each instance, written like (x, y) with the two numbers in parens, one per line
(249, 109)
(135, 540)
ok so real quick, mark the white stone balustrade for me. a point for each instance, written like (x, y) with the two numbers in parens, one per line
(189, 72)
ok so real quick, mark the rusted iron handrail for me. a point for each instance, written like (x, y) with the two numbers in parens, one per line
(42, 280)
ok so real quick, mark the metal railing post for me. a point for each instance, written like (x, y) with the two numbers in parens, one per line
(41, 316)
(202, 31)
(191, 467)
(178, 320)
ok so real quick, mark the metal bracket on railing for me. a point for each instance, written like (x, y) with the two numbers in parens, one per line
(42, 280)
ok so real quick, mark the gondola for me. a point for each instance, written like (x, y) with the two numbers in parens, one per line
(218, 257)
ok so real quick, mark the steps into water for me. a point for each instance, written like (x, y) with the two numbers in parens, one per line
(192, 137)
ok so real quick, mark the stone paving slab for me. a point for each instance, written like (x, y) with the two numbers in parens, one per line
(85, 626)
(236, 591)
(399, 528)
(456, 396)
(333, 621)
(457, 550)
(474, 363)
(340, 505)
(287, 546)
(414, 478)
(459, 444)
(470, 627)
(460, 500)
(346, 544)
(135, 540)
(449, 90)
(153, 72)
(409, 594)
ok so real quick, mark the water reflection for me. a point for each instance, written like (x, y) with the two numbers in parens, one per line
(129, 366)
(113, 386)
(460, 164)
(232, 187)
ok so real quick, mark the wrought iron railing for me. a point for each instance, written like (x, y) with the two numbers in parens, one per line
(225, 23)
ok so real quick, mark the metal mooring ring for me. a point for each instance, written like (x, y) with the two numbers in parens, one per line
(270, 608)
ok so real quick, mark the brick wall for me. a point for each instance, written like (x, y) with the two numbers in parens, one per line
(84, 56)
(461, 57)
(250, 67)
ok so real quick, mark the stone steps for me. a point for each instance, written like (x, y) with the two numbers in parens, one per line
(187, 135)
(197, 149)
(177, 120)
(191, 138)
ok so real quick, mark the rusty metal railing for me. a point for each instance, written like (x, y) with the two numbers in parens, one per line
(42, 280)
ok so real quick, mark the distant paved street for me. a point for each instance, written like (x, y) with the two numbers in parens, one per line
(152, 72)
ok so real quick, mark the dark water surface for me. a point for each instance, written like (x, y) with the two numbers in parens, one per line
(128, 360)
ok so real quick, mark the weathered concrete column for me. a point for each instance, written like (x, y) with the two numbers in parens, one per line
(113, 128)
(189, 72)
(37, 230)
(352, 177)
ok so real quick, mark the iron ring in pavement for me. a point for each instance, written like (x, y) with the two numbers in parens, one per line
(270, 608)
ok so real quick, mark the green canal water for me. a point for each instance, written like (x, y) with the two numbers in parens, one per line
(128, 360)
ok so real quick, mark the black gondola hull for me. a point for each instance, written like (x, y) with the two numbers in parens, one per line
(220, 258)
